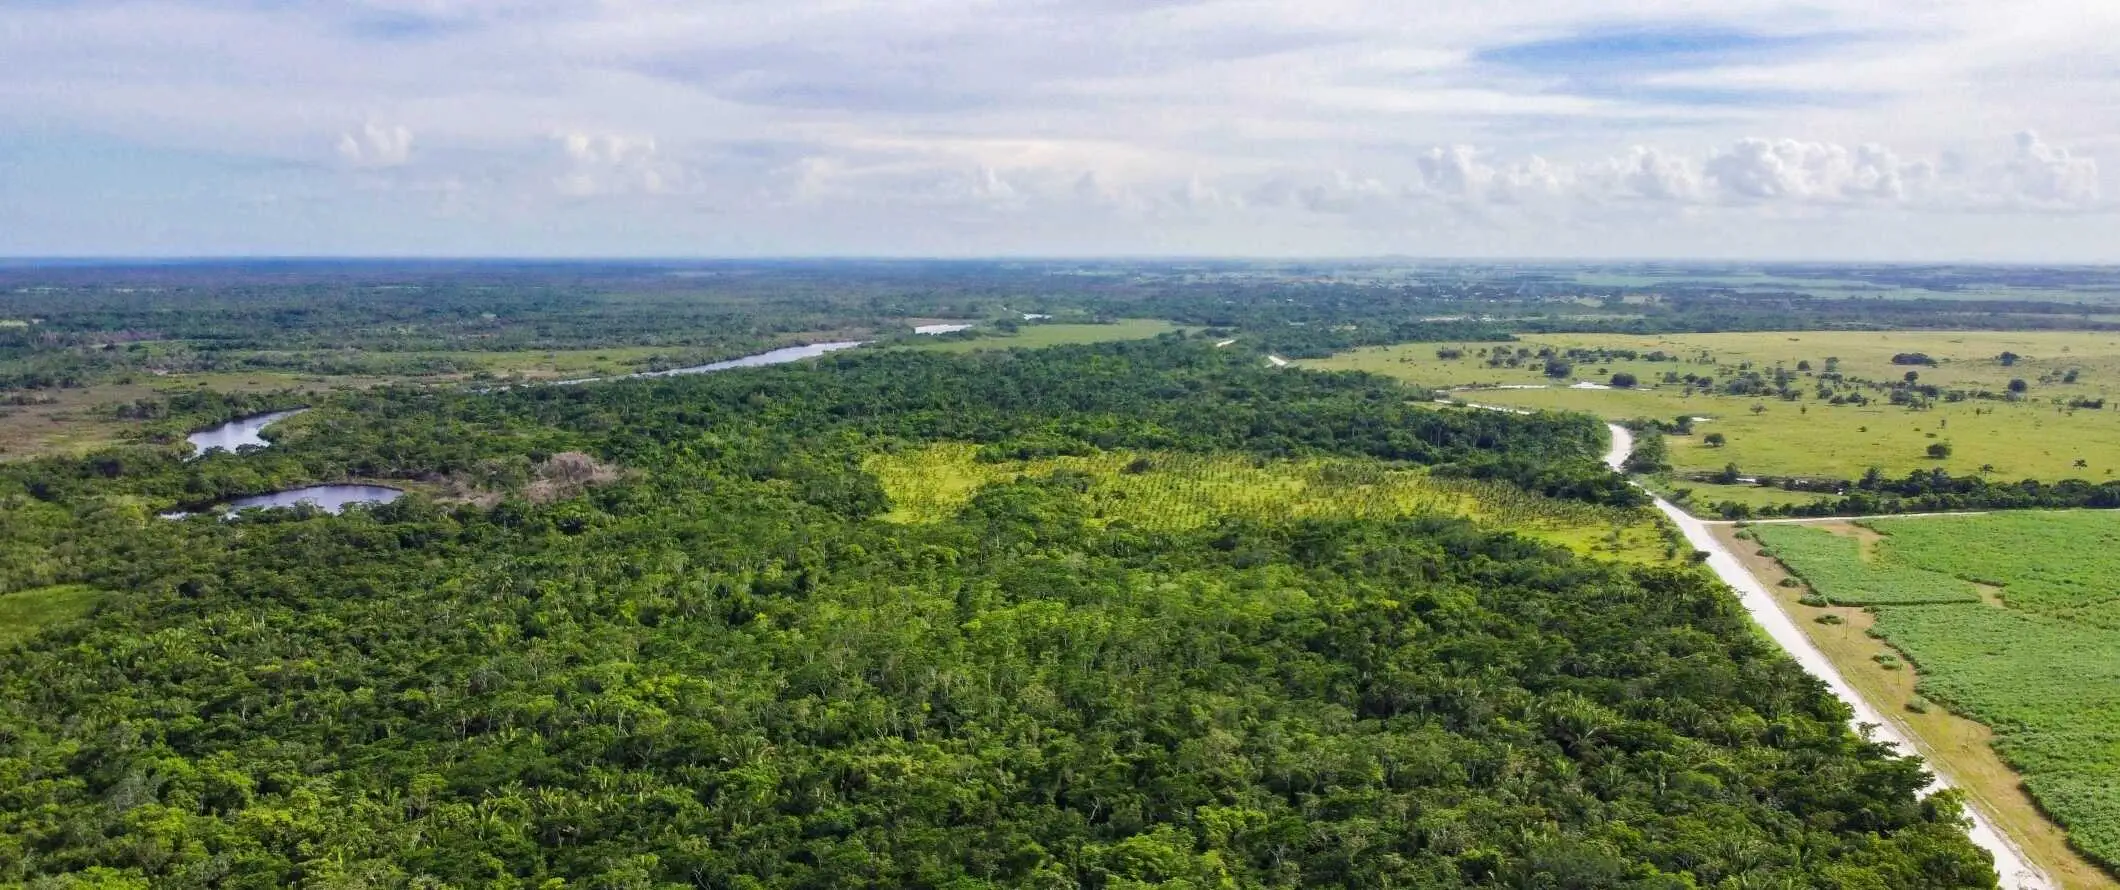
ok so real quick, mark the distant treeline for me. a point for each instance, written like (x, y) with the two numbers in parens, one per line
(1926, 491)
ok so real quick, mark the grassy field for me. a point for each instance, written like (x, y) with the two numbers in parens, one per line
(1036, 335)
(1176, 490)
(25, 612)
(2037, 437)
(1715, 493)
(2030, 653)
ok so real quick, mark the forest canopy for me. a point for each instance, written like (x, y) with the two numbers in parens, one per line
(719, 666)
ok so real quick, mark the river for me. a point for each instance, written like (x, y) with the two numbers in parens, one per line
(779, 356)
(237, 433)
(2015, 871)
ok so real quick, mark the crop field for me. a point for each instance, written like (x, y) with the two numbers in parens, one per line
(1035, 335)
(2045, 433)
(1180, 490)
(1838, 568)
(25, 612)
(2031, 654)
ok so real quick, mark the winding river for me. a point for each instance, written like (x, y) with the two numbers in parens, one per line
(238, 432)
(2015, 871)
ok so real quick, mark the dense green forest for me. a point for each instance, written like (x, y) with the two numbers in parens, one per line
(713, 663)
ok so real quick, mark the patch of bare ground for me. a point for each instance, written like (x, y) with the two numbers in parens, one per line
(1955, 746)
(555, 478)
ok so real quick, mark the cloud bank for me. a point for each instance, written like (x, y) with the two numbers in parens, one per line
(1903, 129)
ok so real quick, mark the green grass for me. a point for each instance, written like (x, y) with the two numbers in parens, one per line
(1749, 495)
(2038, 661)
(2036, 438)
(1031, 336)
(25, 612)
(1173, 490)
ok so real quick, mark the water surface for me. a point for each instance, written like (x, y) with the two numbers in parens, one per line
(332, 499)
(238, 432)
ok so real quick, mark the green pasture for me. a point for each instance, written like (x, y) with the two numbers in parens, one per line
(2036, 437)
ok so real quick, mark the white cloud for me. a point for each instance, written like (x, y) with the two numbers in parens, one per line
(1789, 169)
(375, 145)
(1751, 172)
(603, 164)
(923, 119)
(2050, 175)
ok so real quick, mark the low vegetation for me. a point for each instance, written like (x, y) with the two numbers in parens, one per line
(2023, 642)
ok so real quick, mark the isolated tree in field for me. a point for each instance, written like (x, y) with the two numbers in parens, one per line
(1939, 450)
(1913, 376)
(2070, 377)
(1624, 380)
(1449, 353)
(2008, 359)
(1715, 440)
(2018, 386)
(1803, 365)
(1557, 369)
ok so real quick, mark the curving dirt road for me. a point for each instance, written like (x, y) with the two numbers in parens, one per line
(2015, 871)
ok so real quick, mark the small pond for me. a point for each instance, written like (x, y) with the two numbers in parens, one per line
(333, 499)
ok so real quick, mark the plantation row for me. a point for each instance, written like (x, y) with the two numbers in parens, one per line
(1182, 490)
(2061, 565)
(1834, 567)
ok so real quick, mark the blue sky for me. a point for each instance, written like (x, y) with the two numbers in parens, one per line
(1891, 130)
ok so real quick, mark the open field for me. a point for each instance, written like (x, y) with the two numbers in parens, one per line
(1715, 493)
(1179, 490)
(1035, 335)
(2018, 627)
(25, 612)
(2037, 436)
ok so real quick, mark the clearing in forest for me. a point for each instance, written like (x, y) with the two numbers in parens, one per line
(2011, 619)
(1174, 490)
(25, 612)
